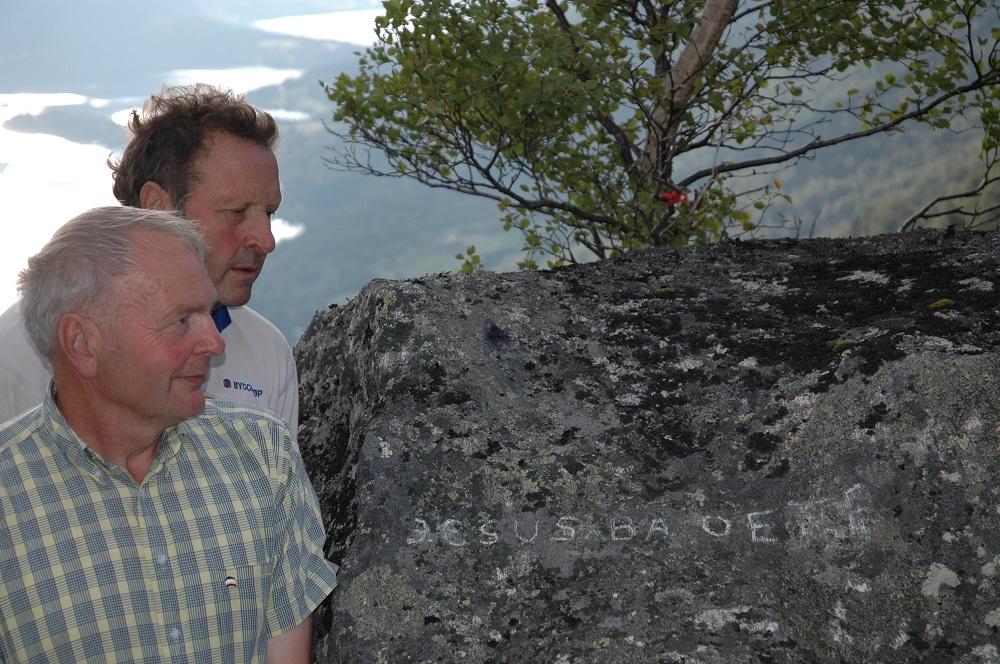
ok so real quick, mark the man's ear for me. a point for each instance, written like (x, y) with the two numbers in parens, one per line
(154, 197)
(79, 342)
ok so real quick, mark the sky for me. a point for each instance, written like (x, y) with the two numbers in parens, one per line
(48, 179)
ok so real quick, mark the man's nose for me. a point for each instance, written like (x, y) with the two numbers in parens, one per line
(211, 341)
(260, 238)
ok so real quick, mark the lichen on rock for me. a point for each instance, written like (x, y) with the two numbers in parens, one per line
(763, 451)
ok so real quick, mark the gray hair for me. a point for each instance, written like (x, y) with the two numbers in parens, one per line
(74, 270)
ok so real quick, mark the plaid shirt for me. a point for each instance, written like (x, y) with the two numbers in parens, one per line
(220, 546)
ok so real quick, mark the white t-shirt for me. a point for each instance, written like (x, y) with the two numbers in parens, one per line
(257, 368)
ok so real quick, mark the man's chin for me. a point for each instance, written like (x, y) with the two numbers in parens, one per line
(194, 404)
(236, 286)
(234, 297)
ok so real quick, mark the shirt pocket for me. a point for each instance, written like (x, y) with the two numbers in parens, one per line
(225, 609)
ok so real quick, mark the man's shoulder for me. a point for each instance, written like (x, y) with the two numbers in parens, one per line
(19, 429)
(252, 324)
(229, 411)
(257, 367)
(243, 429)
(230, 416)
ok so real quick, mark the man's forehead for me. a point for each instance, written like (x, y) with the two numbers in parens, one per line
(222, 143)
(236, 170)
(158, 256)
(166, 287)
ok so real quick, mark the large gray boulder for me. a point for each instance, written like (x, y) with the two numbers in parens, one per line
(774, 451)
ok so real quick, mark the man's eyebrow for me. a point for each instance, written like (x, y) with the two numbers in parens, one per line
(188, 309)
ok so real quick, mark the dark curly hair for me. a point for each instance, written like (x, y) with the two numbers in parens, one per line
(171, 128)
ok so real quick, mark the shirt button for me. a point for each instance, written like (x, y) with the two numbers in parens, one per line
(175, 633)
(161, 558)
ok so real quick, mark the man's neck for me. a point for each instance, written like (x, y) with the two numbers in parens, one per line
(115, 435)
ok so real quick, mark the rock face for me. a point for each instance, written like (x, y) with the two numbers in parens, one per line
(776, 451)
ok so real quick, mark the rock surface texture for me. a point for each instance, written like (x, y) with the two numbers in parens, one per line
(775, 451)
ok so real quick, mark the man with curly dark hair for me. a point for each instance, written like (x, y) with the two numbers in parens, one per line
(208, 154)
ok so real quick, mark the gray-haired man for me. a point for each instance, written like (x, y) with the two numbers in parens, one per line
(139, 523)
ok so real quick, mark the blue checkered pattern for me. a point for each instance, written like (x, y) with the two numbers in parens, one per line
(219, 547)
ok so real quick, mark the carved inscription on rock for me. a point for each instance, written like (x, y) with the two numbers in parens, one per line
(843, 520)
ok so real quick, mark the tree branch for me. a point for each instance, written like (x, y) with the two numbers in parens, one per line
(817, 143)
(911, 221)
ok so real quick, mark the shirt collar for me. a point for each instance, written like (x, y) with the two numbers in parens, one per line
(222, 318)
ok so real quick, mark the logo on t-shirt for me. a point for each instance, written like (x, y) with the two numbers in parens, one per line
(239, 385)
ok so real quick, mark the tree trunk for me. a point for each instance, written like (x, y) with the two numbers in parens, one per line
(679, 81)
